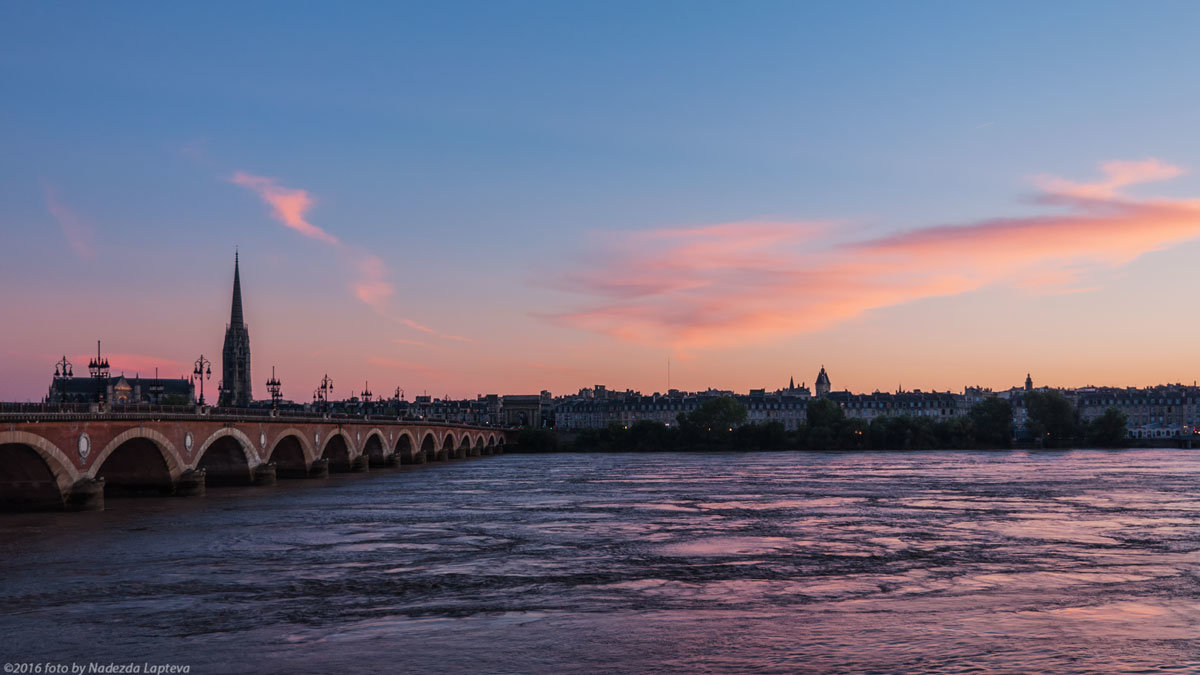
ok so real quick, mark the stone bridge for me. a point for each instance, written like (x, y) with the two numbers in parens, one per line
(72, 460)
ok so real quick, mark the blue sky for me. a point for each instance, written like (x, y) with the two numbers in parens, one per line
(482, 149)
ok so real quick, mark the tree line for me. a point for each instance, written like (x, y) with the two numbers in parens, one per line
(720, 424)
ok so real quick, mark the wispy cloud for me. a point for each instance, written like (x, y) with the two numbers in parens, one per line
(372, 286)
(414, 343)
(430, 331)
(290, 206)
(416, 326)
(739, 282)
(77, 231)
(1118, 174)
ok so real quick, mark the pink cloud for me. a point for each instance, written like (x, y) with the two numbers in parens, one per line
(78, 232)
(1118, 174)
(415, 343)
(413, 324)
(289, 205)
(372, 286)
(426, 329)
(739, 282)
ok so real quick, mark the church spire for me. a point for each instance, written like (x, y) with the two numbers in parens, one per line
(236, 389)
(235, 315)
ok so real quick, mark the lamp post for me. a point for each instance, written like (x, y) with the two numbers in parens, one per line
(276, 389)
(202, 370)
(63, 371)
(321, 393)
(98, 367)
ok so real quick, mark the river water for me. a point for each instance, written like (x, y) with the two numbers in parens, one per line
(942, 562)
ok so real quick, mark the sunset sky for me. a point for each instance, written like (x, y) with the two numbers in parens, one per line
(504, 197)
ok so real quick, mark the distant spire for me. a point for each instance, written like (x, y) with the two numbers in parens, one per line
(235, 316)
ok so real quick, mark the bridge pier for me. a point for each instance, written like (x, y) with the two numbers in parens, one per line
(190, 483)
(87, 494)
(360, 464)
(264, 474)
(319, 468)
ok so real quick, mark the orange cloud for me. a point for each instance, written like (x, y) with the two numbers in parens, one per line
(738, 282)
(289, 204)
(78, 232)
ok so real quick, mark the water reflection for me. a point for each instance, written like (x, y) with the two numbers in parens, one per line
(930, 562)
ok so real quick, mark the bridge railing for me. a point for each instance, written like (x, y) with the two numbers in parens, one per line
(65, 411)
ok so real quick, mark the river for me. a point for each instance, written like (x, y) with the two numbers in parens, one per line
(933, 562)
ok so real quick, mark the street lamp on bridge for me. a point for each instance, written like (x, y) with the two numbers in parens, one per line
(276, 389)
(63, 371)
(321, 394)
(202, 370)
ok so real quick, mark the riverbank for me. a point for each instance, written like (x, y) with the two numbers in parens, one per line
(546, 440)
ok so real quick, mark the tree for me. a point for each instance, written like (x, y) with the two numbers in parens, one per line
(959, 433)
(824, 413)
(993, 422)
(649, 436)
(820, 438)
(1108, 430)
(537, 440)
(852, 434)
(717, 414)
(1052, 418)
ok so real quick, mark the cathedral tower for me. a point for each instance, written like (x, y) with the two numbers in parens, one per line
(235, 355)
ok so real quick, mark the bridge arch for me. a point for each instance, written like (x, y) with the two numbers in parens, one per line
(406, 448)
(227, 457)
(138, 461)
(447, 451)
(34, 473)
(464, 445)
(375, 447)
(339, 450)
(477, 446)
(429, 447)
(291, 453)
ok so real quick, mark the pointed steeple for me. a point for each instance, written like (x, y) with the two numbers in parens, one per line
(235, 315)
